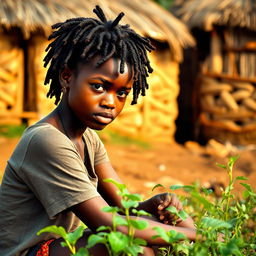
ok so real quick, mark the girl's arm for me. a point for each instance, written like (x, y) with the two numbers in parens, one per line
(108, 190)
(90, 212)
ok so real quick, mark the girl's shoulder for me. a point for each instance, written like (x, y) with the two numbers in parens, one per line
(44, 134)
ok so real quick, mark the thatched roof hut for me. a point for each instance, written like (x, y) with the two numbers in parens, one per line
(25, 24)
(153, 21)
(207, 14)
(228, 72)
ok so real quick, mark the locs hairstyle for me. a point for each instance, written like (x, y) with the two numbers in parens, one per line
(79, 39)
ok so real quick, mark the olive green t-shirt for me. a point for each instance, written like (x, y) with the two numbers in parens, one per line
(44, 177)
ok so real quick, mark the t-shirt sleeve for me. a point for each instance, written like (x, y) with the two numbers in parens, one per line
(55, 172)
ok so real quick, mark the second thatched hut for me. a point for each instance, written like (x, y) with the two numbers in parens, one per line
(226, 40)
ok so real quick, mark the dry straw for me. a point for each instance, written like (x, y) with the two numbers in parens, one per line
(145, 16)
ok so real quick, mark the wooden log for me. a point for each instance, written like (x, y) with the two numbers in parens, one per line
(229, 100)
(6, 98)
(239, 114)
(208, 100)
(254, 95)
(250, 126)
(250, 103)
(6, 75)
(214, 109)
(219, 124)
(244, 86)
(215, 89)
(230, 125)
(208, 80)
(241, 94)
(216, 57)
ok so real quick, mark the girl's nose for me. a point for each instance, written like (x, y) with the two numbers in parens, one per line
(108, 101)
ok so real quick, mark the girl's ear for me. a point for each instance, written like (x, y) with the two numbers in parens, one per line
(65, 77)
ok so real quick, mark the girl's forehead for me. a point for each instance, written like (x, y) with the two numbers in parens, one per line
(110, 68)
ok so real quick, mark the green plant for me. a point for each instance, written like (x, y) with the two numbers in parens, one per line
(117, 243)
(70, 239)
(225, 226)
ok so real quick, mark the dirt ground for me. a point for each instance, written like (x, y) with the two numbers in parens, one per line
(168, 164)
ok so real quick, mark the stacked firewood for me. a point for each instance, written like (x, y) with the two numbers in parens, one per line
(230, 105)
(11, 78)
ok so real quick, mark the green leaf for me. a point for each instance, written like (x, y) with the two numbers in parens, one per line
(157, 186)
(161, 233)
(120, 186)
(241, 178)
(182, 248)
(182, 214)
(120, 221)
(129, 204)
(232, 161)
(139, 224)
(174, 187)
(214, 224)
(95, 239)
(141, 212)
(74, 236)
(175, 236)
(185, 187)
(133, 197)
(246, 193)
(103, 228)
(64, 244)
(247, 186)
(207, 204)
(117, 241)
(139, 241)
(112, 209)
(230, 248)
(54, 229)
(82, 252)
(221, 166)
(172, 209)
(134, 250)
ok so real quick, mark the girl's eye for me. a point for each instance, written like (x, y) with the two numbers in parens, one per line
(122, 94)
(97, 87)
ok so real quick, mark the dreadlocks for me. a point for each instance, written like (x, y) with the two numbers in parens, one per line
(79, 39)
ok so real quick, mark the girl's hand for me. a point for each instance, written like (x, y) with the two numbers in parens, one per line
(158, 204)
(166, 200)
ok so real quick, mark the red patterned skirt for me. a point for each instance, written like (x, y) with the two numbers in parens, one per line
(41, 250)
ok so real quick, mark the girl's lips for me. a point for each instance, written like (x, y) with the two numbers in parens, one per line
(104, 118)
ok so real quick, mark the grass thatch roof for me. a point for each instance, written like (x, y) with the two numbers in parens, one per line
(145, 16)
(207, 13)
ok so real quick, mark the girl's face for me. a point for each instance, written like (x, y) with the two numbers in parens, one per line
(97, 95)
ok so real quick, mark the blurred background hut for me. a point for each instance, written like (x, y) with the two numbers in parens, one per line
(225, 93)
(24, 28)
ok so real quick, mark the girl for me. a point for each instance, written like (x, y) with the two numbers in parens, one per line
(55, 175)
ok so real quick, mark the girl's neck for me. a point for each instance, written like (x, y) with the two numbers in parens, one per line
(70, 125)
